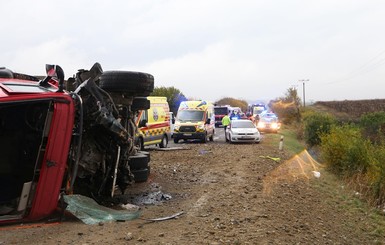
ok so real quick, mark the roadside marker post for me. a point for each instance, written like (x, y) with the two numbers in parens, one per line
(281, 143)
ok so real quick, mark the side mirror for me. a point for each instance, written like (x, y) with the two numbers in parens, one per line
(55, 72)
(173, 120)
(208, 121)
(142, 123)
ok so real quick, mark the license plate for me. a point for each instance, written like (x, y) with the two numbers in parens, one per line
(187, 134)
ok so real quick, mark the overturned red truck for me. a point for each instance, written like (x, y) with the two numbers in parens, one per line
(59, 137)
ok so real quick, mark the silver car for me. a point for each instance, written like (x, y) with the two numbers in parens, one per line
(242, 130)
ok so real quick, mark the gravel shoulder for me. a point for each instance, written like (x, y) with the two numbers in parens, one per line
(229, 194)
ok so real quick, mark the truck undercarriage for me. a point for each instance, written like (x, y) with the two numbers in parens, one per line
(101, 156)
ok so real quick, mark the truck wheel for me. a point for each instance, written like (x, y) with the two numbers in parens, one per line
(145, 153)
(140, 144)
(176, 140)
(140, 103)
(212, 136)
(141, 175)
(164, 142)
(128, 82)
(138, 161)
(204, 140)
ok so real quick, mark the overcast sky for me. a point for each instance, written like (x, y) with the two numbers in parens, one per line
(208, 49)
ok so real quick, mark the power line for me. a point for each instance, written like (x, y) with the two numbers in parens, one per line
(363, 69)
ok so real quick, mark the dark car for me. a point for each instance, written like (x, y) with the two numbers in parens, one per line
(268, 122)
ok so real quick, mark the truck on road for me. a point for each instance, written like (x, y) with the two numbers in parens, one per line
(220, 111)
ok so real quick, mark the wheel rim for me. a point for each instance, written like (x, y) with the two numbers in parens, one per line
(164, 142)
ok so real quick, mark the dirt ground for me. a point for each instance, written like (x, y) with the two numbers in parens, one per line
(229, 194)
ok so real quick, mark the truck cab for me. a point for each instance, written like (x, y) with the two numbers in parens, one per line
(220, 111)
(62, 137)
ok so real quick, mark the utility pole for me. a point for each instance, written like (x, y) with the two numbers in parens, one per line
(303, 89)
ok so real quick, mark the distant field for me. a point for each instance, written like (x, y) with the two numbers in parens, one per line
(350, 109)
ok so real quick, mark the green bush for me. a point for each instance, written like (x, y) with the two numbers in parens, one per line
(376, 177)
(345, 152)
(316, 124)
(373, 126)
(349, 152)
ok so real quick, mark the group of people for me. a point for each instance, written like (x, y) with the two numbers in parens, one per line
(234, 115)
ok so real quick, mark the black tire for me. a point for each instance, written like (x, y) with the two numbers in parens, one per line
(204, 140)
(140, 144)
(227, 140)
(140, 103)
(176, 140)
(138, 161)
(145, 153)
(211, 138)
(164, 142)
(141, 175)
(127, 82)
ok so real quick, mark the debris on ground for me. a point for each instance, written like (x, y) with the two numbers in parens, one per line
(167, 217)
(171, 148)
(90, 212)
(276, 159)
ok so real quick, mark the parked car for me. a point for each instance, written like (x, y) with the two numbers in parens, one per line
(269, 122)
(242, 130)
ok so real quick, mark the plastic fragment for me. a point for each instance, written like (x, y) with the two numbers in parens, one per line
(276, 159)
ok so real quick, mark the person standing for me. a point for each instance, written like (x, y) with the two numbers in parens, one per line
(256, 120)
(225, 122)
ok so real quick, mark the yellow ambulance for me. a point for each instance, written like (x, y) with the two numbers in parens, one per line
(195, 120)
(154, 123)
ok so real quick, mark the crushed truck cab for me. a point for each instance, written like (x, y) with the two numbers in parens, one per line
(195, 120)
(60, 137)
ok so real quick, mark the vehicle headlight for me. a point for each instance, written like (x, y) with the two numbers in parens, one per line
(201, 126)
(261, 125)
(176, 127)
(274, 125)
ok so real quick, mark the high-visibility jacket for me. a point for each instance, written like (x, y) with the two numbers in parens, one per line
(226, 120)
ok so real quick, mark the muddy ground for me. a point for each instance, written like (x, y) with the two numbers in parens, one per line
(229, 194)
